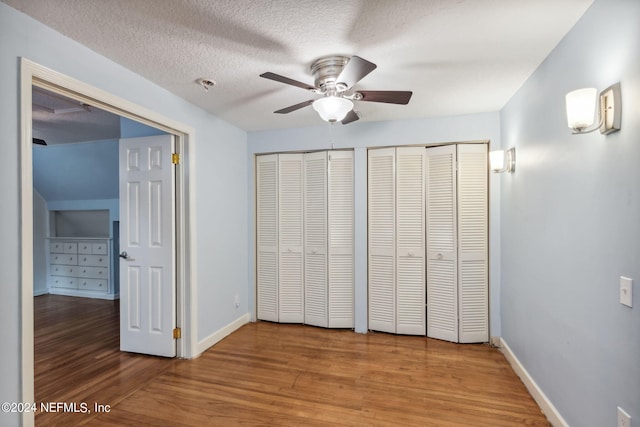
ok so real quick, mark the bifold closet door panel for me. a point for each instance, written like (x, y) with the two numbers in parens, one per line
(341, 239)
(442, 265)
(290, 238)
(410, 240)
(267, 236)
(381, 226)
(473, 298)
(315, 239)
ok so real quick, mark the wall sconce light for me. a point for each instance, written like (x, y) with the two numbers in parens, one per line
(581, 106)
(503, 161)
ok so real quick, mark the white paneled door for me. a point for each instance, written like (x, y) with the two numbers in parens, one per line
(147, 242)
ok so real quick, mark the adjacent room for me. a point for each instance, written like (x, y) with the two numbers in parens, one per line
(389, 212)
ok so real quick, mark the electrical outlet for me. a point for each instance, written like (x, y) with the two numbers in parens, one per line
(237, 301)
(626, 291)
(624, 419)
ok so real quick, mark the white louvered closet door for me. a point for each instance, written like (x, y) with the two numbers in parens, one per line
(472, 244)
(410, 240)
(315, 238)
(267, 236)
(382, 222)
(442, 266)
(341, 239)
(290, 236)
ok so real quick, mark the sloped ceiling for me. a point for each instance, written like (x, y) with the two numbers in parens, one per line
(457, 56)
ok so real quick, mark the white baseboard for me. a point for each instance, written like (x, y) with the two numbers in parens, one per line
(538, 395)
(218, 335)
(83, 294)
(38, 292)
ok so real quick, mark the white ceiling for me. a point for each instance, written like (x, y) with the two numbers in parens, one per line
(457, 56)
(59, 120)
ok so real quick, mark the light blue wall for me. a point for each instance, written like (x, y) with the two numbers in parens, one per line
(79, 171)
(218, 177)
(360, 136)
(571, 225)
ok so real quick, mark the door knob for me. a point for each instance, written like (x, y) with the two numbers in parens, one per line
(124, 255)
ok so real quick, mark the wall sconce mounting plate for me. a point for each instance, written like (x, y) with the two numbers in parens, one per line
(610, 109)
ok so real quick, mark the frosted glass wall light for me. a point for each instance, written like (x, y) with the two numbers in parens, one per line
(503, 161)
(582, 105)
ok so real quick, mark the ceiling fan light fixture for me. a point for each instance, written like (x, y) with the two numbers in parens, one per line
(332, 108)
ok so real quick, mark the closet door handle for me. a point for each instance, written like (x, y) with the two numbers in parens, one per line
(440, 256)
(410, 253)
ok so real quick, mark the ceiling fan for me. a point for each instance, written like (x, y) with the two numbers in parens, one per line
(335, 77)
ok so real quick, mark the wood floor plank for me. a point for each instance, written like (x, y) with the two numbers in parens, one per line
(268, 374)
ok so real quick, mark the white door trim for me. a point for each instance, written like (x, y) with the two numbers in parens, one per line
(35, 74)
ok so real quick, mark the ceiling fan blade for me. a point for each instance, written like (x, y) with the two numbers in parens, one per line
(387, 96)
(294, 107)
(351, 116)
(286, 80)
(355, 70)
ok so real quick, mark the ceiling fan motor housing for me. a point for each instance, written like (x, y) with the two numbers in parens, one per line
(325, 72)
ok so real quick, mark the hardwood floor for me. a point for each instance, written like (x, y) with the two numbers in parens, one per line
(269, 374)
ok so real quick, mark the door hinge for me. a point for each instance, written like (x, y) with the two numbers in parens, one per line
(177, 333)
(175, 158)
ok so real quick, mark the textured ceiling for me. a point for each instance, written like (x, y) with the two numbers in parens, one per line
(457, 56)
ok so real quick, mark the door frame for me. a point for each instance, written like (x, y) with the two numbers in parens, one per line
(33, 74)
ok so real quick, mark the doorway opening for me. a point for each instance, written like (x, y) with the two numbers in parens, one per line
(34, 75)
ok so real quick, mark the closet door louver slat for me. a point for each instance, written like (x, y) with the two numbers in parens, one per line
(442, 292)
(341, 239)
(267, 236)
(472, 243)
(381, 210)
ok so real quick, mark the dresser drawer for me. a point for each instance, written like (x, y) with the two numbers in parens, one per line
(93, 260)
(56, 247)
(85, 247)
(70, 248)
(66, 259)
(99, 249)
(64, 282)
(93, 284)
(93, 272)
(64, 270)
